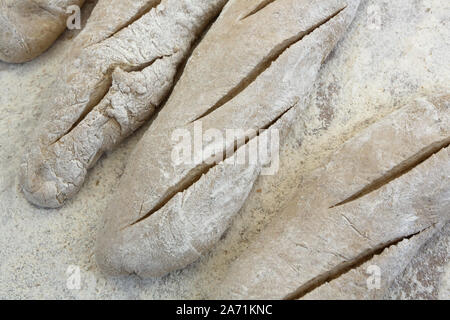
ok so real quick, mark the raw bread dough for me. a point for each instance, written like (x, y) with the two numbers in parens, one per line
(165, 214)
(389, 183)
(111, 84)
(29, 27)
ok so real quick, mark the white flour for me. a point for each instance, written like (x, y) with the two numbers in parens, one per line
(394, 52)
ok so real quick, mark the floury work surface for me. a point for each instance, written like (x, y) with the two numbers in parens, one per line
(393, 53)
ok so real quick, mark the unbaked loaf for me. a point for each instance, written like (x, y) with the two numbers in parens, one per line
(29, 27)
(388, 184)
(165, 215)
(114, 79)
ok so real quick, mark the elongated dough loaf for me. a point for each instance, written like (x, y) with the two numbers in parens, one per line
(166, 214)
(115, 78)
(389, 183)
(29, 27)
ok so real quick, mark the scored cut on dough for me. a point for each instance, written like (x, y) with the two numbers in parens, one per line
(387, 184)
(110, 16)
(109, 87)
(29, 27)
(371, 280)
(161, 204)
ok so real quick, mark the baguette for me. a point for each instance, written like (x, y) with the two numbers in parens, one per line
(29, 27)
(165, 215)
(389, 183)
(110, 86)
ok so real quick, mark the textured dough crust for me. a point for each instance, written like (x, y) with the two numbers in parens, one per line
(165, 215)
(389, 183)
(29, 27)
(116, 77)
(360, 283)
